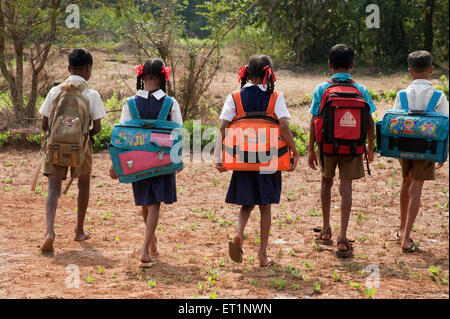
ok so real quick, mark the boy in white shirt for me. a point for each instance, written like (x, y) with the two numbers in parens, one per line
(80, 67)
(415, 172)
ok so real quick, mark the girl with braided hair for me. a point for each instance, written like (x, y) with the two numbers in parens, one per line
(250, 188)
(151, 79)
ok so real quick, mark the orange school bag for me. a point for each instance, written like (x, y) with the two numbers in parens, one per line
(253, 140)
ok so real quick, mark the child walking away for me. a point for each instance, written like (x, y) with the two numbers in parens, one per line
(340, 123)
(250, 188)
(414, 172)
(151, 102)
(67, 113)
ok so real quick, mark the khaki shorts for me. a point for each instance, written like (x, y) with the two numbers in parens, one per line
(84, 169)
(350, 167)
(418, 170)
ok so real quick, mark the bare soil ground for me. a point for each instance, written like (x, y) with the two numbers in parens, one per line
(194, 232)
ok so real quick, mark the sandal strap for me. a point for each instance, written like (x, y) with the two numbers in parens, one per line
(346, 242)
(323, 231)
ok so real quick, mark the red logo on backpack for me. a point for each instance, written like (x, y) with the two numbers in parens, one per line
(341, 125)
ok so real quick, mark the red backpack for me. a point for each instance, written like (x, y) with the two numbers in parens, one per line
(341, 125)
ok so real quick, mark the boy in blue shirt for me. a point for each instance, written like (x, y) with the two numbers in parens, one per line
(340, 62)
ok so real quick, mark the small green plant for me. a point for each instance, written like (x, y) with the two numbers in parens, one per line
(151, 283)
(314, 213)
(295, 286)
(308, 265)
(369, 292)
(437, 275)
(251, 260)
(89, 279)
(316, 246)
(355, 285)
(291, 252)
(279, 284)
(255, 283)
(336, 276)
(101, 269)
(317, 288)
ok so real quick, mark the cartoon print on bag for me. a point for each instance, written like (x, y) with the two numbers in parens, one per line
(428, 129)
(408, 126)
(121, 138)
(395, 126)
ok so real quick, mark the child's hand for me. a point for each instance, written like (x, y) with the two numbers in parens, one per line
(439, 165)
(312, 160)
(294, 162)
(112, 173)
(219, 167)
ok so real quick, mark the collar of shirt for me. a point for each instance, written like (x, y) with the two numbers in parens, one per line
(76, 78)
(158, 94)
(341, 76)
(262, 87)
(422, 82)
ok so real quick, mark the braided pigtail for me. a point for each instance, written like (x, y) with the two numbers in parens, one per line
(163, 85)
(270, 84)
(139, 83)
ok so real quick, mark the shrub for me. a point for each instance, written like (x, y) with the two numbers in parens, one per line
(102, 139)
(301, 139)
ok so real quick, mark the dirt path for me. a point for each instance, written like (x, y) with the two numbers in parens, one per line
(194, 247)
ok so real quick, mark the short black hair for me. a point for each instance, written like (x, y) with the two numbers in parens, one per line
(341, 56)
(420, 61)
(80, 57)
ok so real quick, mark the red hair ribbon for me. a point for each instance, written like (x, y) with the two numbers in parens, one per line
(166, 70)
(269, 72)
(242, 71)
(139, 70)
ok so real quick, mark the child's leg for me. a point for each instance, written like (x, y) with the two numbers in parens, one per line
(266, 221)
(54, 191)
(404, 203)
(325, 198)
(151, 223)
(244, 215)
(345, 189)
(415, 192)
(153, 241)
(84, 184)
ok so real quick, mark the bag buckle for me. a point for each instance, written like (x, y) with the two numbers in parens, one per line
(160, 155)
(129, 164)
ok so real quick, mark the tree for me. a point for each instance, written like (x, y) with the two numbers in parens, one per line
(159, 29)
(28, 30)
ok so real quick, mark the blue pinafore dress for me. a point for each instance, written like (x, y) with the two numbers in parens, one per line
(248, 188)
(156, 189)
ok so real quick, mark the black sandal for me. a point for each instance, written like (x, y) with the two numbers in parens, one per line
(348, 251)
(318, 239)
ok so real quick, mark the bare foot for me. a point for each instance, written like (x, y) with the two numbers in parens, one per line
(47, 246)
(81, 235)
(154, 246)
(145, 259)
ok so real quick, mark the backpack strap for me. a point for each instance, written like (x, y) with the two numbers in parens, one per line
(272, 101)
(165, 108)
(133, 109)
(238, 103)
(433, 101)
(403, 99)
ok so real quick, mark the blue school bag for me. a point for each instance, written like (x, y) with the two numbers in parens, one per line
(143, 148)
(415, 135)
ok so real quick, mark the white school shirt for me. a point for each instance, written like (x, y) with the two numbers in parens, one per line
(419, 94)
(229, 108)
(175, 113)
(96, 107)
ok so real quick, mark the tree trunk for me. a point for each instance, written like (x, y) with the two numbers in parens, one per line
(429, 26)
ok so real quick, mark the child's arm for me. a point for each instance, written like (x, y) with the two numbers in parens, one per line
(219, 141)
(287, 136)
(312, 157)
(44, 123)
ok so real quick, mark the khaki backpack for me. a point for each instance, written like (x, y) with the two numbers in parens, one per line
(66, 140)
(68, 129)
